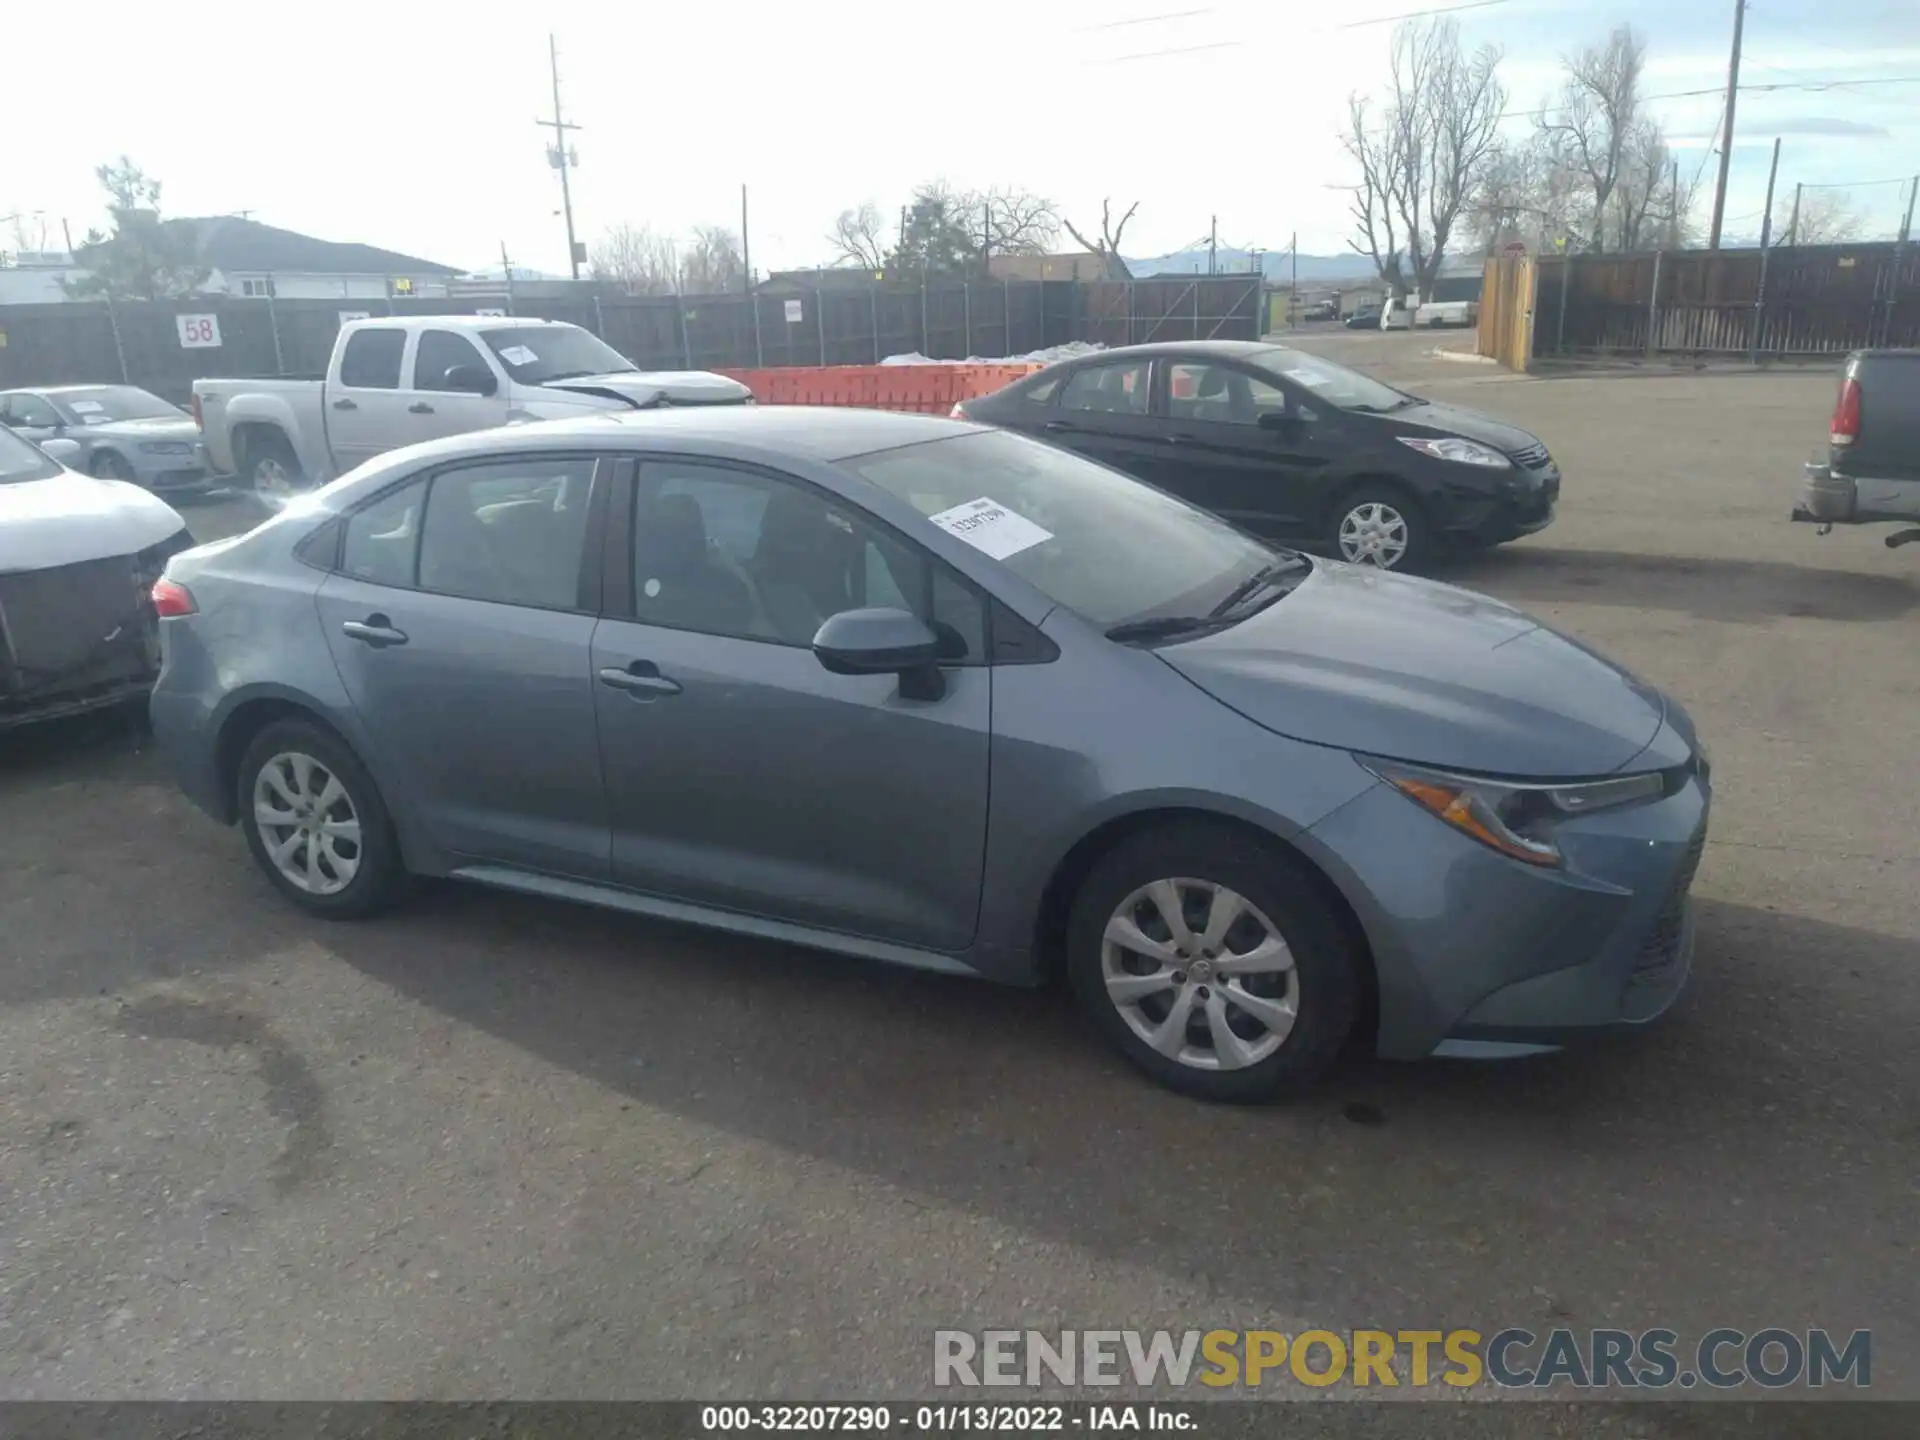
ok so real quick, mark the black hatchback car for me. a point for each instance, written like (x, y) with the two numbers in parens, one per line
(1291, 447)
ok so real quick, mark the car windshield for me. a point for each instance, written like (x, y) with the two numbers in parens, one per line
(101, 403)
(21, 460)
(1106, 546)
(535, 354)
(1340, 387)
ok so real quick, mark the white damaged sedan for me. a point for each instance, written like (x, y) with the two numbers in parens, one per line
(78, 559)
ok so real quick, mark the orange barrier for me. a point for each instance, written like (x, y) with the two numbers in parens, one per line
(929, 389)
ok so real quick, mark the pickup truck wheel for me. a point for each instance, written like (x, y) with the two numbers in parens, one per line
(270, 467)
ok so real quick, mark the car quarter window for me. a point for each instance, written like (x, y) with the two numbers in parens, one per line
(371, 360)
(1043, 392)
(438, 352)
(1115, 389)
(728, 551)
(1201, 390)
(510, 531)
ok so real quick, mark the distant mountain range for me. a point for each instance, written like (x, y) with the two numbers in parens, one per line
(1277, 264)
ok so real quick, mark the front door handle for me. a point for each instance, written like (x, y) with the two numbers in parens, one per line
(344, 403)
(642, 680)
(419, 407)
(1181, 437)
(1057, 425)
(376, 630)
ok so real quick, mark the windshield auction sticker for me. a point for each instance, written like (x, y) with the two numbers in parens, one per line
(991, 528)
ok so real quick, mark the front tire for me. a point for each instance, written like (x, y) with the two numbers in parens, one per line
(316, 824)
(1378, 525)
(1213, 963)
(109, 466)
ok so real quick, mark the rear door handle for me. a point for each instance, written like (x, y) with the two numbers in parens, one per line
(419, 407)
(376, 630)
(1057, 425)
(641, 679)
(343, 403)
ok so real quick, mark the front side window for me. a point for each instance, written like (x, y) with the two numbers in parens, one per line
(1200, 390)
(437, 353)
(509, 531)
(734, 552)
(537, 354)
(1119, 389)
(1337, 386)
(1094, 540)
(30, 412)
(371, 360)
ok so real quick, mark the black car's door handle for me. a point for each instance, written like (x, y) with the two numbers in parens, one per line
(641, 679)
(343, 403)
(376, 630)
(419, 407)
(1180, 437)
(1058, 425)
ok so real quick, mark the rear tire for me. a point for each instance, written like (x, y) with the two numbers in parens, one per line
(1266, 1003)
(271, 468)
(334, 853)
(1381, 525)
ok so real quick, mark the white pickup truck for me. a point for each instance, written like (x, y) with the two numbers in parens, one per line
(392, 382)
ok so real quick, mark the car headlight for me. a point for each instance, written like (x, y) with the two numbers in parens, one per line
(1517, 819)
(166, 447)
(1464, 452)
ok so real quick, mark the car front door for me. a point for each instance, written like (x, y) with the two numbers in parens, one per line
(1244, 446)
(436, 405)
(1104, 412)
(30, 417)
(740, 773)
(365, 406)
(460, 625)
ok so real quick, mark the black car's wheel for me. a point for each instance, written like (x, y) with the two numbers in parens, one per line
(272, 469)
(1379, 525)
(109, 466)
(1212, 963)
(315, 821)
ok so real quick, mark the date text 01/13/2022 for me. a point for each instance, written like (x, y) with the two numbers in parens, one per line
(942, 1419)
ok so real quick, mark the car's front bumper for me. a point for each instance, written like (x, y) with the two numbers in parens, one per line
(174, 474)
(1479, 954)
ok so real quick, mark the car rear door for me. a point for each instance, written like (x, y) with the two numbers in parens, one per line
(1243, 445)
(740, 773)
(460, 615)
(365, 410)
(434, 407)
(1104, 412)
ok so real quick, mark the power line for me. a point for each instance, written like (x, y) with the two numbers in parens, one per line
(1151, 19)
(1178, 50)
(1855, 184)
(1417, 14)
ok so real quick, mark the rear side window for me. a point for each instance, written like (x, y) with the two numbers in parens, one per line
(371, 360)
(510, 531)
(1119, 389)
(382, 537)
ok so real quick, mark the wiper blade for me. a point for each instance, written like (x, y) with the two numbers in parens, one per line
(1158, 627)
(1258, 581)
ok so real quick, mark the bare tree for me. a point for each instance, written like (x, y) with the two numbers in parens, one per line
(1015, 222)
(1651, 205)
(1423, 163)
(637, 259)
(1827, 217)
(1108, 245)
(859, 237)
(29, 232)
(713, 264)
(1592, 129)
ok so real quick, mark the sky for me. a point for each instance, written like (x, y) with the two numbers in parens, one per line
(410, 124)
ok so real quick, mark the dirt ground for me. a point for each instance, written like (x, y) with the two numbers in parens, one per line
(493, 1146)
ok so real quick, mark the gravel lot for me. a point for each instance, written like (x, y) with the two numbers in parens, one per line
(492, 1146)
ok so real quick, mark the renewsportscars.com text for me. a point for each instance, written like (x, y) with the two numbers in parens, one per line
(1514, 1358)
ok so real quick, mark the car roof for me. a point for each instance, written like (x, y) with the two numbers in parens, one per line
(463, 322)
(1225, 349)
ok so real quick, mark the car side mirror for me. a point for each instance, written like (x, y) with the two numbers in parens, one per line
(471, 380)
(67, 452)
(883, 642)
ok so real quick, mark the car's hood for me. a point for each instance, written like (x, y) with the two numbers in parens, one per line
(73, 517)
(646, 387)
(1430, 418)
(1412, 670)
(157, 428)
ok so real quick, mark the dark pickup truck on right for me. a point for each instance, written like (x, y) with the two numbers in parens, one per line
(1871, 475)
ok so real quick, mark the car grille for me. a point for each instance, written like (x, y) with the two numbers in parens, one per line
(1531, 458)
(1661, 949)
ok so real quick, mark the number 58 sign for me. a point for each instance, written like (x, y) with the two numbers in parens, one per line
(198, 332)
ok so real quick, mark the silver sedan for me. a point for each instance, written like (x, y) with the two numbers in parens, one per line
(123, 433)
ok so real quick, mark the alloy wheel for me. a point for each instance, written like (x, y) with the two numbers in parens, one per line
(308, 825)
(1374, 534)
(1200, 974)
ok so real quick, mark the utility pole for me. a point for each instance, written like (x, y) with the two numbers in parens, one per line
(1766, 218)
(1673, 211)
(1726, 136)
(506, 272)
(1293, 290)
(558, 154)
(1213, 244)
(1906, 224)
(746, 245)
(1793, 222)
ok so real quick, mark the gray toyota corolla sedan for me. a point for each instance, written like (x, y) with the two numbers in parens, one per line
(914, 690)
